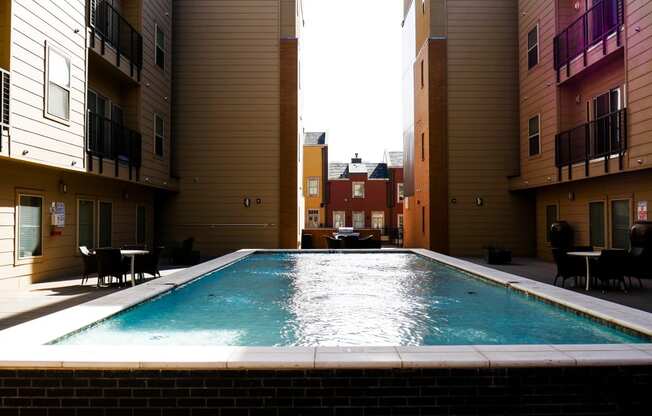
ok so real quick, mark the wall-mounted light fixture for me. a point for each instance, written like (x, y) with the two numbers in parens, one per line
(125, 194)
(479, 201)
(571, 196)
(63, 187)
(246, 202)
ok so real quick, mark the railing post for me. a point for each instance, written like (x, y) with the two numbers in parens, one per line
(118, 46)
(570, 155)
(587, 147)
(567, 60)
(585, 31)
(603, 27)
(557, 158)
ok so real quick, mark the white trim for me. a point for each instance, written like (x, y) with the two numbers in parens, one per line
(536, 45)
(317, 180)
(400, 185)
(335, 213)
(156, 47)
(353, 184)
(17, 259)
(46, 96)
(364, 219)
(158, 116)
(530, 136)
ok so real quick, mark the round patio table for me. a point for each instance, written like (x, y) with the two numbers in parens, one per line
(132, 255)
(588, 255)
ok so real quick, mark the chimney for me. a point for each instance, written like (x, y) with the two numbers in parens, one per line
(356, 159)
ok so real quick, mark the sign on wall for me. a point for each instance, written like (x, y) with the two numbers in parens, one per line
(58, 214)
(641, 211)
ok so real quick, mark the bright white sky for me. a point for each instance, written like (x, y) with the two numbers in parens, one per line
(351, 75)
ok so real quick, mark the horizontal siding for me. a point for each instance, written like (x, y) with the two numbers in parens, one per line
(226, 104)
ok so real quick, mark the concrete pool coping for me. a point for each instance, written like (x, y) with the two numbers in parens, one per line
(23, 345)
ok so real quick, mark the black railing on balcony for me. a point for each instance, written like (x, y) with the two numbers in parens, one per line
(107, 139)
(114, 30)
(598, 23)
(601, 138)
(5, 91)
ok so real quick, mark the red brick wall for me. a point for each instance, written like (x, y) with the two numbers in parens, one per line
(341, 199)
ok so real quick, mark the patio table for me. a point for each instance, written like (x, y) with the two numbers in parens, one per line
(588, 255)
(132, 255)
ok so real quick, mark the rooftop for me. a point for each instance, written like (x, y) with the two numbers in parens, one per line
(394, 159)
(316, 138)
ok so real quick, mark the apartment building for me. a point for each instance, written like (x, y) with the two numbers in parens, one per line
(461, 127)
(396, 197)
(85, 148)
(236, 124)
(315, 179)
(586, 116)
(363, 195)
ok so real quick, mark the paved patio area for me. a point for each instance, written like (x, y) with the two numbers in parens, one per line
(542, 271)
(18, 306)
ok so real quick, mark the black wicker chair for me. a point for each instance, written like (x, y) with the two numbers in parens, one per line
(333, 243)
(306, 242)
(611, 268)
(568, 267)
(90, 263)
(369, 242)
(148, 263)
(350, 242)
(110, 264)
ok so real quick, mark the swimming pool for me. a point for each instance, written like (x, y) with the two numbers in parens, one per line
(287, 299)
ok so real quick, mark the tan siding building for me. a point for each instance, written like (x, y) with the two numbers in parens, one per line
(235, 124)
(464, 145)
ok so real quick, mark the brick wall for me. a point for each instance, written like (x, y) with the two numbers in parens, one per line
(568, 391)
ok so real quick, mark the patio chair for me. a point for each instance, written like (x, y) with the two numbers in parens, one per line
(369, 242)
(148, 263)
(350, 242)
(639, 259)
(185, 255)
(333, 243)
(306, 242)
(611, 268)
(567, 267)
(110, 264)
(134, 247)
(90, 263)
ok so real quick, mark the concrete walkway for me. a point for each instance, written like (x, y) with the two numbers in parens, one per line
(542, 271)
(18, 306)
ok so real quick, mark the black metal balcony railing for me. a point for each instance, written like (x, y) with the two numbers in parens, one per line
(107, 139)
(114, 30)
(598, 23)
(5, 91)
(601, 138)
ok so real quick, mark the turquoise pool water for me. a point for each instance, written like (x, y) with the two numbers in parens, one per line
(311, 299)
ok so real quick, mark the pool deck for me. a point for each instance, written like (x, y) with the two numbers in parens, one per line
(23, 345)
(544, 272)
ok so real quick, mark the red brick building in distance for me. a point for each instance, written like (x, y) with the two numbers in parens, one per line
(366, 195)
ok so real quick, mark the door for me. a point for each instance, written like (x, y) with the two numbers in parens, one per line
(606, 137)
(339, 219)
(378, 220)
(105, 224)
(620, 224)
(313, 218)
(358, 219)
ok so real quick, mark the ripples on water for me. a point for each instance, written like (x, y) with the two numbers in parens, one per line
(349, 299)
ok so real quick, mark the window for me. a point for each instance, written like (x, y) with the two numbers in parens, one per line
(597, 224)
(313, 186)
(86, 223)
(313, 218)
(423, 147)
(551, 217)
(378, 220)
(422, 76)
(620, 224)
(141, 224)
(400, 194)
(358, 189)
(159, 135)
(105, 221)
(399, 221)
(534, 128)
(358, 219)
(160, 48)
(339, 219)
(57, 91)
(533, 47)
(30, 223)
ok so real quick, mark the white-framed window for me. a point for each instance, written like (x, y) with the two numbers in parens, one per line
(313, 186)
(400, 193)
(160, 48)
(378, 219)
(339, 219)
(533, 47)
(86, 223)
(105, 224)
(358, 189)
(399, 221)
(313, 218)
(57, 85)
(159, 134)
(29, 226)
(358, 219)
(534, 135)
(141, 224)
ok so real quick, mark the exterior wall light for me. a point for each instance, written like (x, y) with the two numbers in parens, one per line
(479, 201)
(63, 187)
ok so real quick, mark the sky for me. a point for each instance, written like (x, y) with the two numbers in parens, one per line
(351, 75)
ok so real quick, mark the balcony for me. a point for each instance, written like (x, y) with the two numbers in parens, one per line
(114, 31)
(603, 138)
(106, 139)
(5, 90)
(597, 25)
